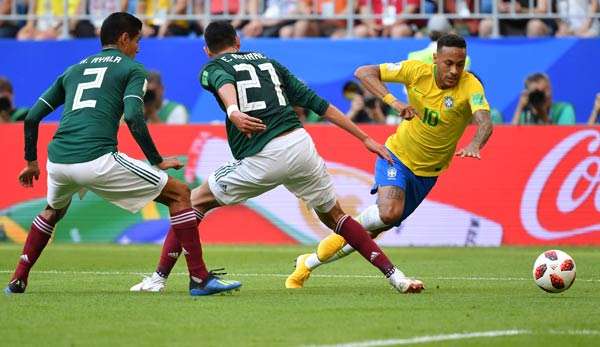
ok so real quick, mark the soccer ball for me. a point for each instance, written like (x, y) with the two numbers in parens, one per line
(554, 271)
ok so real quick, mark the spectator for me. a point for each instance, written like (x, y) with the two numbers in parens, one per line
(98, 10)
(49, 22)
(169, 112)
(8, 112)
(9, 29)
(365, 107)
(158, 25)
(223, 7)
(594, 119)
(520, 27)
(334, 28)
(390, 25)
(537, 107)
(272, 22)
(576, 18)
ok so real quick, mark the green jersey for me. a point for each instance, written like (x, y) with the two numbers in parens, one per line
(95, 93)
(561, 113)
(265, 90)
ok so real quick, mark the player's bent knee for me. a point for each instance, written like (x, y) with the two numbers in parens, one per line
(391, 215)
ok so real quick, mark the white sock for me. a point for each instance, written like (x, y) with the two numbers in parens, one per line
(370, 219)
(312, 262)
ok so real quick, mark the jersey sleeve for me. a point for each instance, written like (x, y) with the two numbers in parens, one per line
(136, 83)
(55, 95)
(213, 77)
(298, 94)
(404, 72)
(477, 100)
(133, 110)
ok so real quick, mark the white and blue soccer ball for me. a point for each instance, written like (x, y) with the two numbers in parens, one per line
(554, 271)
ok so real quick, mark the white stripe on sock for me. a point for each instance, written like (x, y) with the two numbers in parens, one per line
(340, 222)
(43, 222)
(182, 216)
(41, 228)
(191, 219)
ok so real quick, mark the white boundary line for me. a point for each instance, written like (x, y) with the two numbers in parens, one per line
(458, 336)
(430, 338)
(139, 273)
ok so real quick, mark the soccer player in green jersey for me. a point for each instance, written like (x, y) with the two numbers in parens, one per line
(83, 153)
(271, 148)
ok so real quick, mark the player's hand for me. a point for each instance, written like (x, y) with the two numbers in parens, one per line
(404, 110)
(379, 149)
(471, 151)
(170, 163)
(31, 171)
(246, 124)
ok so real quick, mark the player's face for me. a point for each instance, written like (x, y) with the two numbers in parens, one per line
(130, 45)
(450, 63)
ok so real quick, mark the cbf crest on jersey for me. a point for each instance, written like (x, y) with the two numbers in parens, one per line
(391, 173)
(448, 102)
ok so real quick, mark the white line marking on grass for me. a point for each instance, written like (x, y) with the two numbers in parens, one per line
(458, 336)
(431, 338)
(129, 273)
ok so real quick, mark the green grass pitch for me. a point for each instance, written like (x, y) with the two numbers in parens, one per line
(78, 296)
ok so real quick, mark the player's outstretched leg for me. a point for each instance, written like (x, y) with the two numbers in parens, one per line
(183, 238)
(39, 234)
(357, 237)
(334, 247)
(171, 250)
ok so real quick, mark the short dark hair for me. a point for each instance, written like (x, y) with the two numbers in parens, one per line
(154, 77)
(5, 85)
(219, 35)
(451, 40)
(116, 24)
(536, 77)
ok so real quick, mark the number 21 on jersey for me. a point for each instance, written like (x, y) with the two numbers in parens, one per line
(254, 82)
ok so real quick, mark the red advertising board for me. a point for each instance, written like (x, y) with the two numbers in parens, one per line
(533, 185)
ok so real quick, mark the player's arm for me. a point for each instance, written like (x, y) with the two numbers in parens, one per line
(481, 115)
(214, 79)
(52, 98)
(300, 95)
(372, 77)
(133, 113)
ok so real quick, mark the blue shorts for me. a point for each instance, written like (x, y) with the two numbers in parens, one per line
(415, 187)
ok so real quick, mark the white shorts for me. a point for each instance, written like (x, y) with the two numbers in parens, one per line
(126, 182)
(291, 160)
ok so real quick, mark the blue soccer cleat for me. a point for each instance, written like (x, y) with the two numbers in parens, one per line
(15, 286)
(213, 285)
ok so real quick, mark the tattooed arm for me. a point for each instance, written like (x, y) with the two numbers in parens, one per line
(484, 131)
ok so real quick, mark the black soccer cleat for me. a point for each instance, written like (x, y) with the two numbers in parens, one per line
(15, 286)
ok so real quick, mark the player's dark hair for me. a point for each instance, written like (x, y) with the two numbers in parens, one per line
(116, 24)
(5, 85)
(219, 35)
(154, 77)
(536, 77)
(451, 40)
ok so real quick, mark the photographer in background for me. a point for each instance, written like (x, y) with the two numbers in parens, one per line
(364, 107)
(537, 107)
(8, 113)
(151, 107)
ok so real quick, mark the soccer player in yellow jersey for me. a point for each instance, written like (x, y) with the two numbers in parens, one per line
(444, 98)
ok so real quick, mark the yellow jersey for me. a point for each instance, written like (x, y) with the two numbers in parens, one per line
(427, 144)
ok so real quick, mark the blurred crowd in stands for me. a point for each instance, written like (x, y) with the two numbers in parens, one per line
(45, 19)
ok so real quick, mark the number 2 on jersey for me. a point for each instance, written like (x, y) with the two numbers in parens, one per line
(254, 82)
(81, 87)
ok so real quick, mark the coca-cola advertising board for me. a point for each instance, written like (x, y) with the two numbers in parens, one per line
(533, 185)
